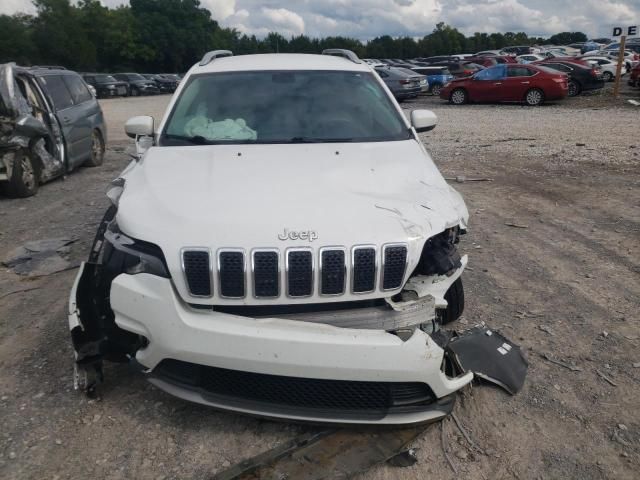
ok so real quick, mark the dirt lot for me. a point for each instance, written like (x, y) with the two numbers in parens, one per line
(567, 285)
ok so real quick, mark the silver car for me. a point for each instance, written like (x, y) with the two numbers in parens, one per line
(50, 124)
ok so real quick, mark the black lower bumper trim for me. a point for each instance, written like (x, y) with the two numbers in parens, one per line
(301, 397)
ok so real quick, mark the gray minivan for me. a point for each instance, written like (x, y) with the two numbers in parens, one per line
(50, 124)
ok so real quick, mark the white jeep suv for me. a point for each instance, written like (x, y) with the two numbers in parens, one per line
(284, 246)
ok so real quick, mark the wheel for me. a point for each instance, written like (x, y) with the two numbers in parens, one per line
(534, 97)
(607, 76)
(436, 89)
(455, 303)
(25, 176)
(97, 150)
(574, 88)
(458, 96)
(134, 92)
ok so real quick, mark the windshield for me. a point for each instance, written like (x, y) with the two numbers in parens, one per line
(283, 107)
(135, 76)
(105, 79)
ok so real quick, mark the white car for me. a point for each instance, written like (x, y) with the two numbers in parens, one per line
(284, 246)
(606, 64)
(631, 59)
(530, 57)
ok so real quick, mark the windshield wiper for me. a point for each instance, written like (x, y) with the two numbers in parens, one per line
(194, 140)
(319, 140)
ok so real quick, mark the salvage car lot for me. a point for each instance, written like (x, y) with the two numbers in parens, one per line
(553, 246)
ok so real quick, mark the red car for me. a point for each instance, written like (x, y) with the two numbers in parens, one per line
(634, 78)
(508, 83)
(479, 59)
(575, 60)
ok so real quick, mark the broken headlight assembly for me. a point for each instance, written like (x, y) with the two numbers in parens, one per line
(440, 255)
(127, 255)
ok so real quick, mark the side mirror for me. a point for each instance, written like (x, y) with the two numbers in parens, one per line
(423, 120)
(139, 126)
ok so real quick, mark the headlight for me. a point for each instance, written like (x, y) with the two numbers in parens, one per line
(133, 256)
(440, 255)
(111, 87)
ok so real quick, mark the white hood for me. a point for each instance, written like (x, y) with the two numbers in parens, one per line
(244, 196)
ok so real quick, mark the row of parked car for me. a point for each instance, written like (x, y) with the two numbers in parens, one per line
(508, 74)
(108, 85)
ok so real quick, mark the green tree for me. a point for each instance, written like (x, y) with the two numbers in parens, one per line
(16, 43)
(565, 38)
(59, 36)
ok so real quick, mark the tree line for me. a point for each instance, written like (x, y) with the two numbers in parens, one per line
(171, 35)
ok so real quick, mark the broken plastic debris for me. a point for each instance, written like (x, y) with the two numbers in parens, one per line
(404, 459)
(487, 357)
(39, 257)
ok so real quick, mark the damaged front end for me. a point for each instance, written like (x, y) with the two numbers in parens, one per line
(378, 361)
(31, 141)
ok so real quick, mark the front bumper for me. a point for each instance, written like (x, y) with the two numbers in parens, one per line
(304, 351)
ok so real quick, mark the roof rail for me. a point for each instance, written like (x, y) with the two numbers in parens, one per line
(48, 67)
(212, 55)
(341, 52)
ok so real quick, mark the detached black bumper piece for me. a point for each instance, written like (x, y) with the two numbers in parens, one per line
(489, 356)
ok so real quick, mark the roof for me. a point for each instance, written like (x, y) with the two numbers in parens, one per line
(280, 61)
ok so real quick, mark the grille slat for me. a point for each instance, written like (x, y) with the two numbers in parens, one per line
(394, 261)
(341, 395)
(332, 275)
(232, 273)
(364, 269)
(299, 273)
(266, 273)
(197, 270)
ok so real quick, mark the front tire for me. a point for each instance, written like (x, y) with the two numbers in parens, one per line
(97, 150)
(458, 96)
(134, 92)
(25, 176)
(436, 89)
(574, 88)
(455, 303)
(534, 97)
(607, 76)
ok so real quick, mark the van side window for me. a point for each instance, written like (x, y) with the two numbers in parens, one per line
(79, 91)
(57, 90)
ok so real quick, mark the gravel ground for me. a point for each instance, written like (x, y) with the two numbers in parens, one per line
(566, 285)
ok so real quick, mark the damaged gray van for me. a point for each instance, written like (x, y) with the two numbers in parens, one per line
(50, 124)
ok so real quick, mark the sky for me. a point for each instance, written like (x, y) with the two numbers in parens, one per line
(365, 19)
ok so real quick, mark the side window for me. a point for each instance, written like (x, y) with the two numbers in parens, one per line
(55, 87)
(79, 91)
(519, 72)
(561, 67)
(494, 73)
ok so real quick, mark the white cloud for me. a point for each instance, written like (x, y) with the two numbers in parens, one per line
(220, 9)
(284, 19)
(366, 19)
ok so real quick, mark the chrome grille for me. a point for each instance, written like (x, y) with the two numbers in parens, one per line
(394, 261)
(332, 271)
(364, 269)
(266, 273)
(339, 270)
(196, 265)
(231, 270)
(299, 272)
